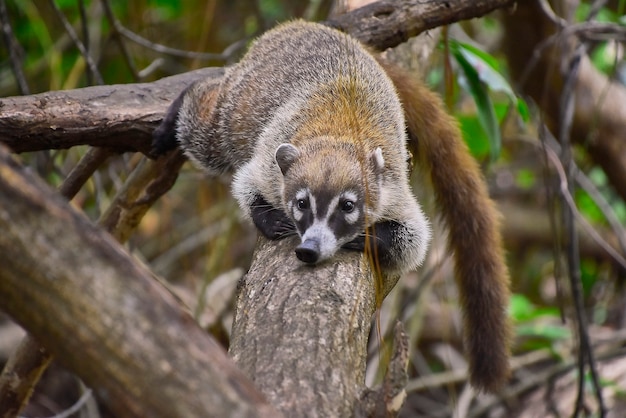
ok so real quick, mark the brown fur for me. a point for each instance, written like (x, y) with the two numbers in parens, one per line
(473, 223)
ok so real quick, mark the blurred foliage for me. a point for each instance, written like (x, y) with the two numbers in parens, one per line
(51, 62)
(192, 235)
(537, 327)
(607, 56)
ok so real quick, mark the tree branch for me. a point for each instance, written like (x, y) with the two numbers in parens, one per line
(385, 24)
(301, 333)
(119, 117)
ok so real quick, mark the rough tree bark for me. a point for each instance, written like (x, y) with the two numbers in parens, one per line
(300, 333)
(118, 117)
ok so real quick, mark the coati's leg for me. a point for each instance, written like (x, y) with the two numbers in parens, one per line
(164, 136)
(189, 123)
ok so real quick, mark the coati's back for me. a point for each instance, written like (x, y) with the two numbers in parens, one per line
(301, 81)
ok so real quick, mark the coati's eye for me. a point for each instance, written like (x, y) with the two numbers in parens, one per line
(302, 204)
(347, 206)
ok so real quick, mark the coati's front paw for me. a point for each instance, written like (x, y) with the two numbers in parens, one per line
(379, 241)
(272, 222)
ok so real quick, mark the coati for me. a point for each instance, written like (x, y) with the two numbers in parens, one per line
(314, 128)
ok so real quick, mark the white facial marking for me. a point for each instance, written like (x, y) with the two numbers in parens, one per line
(302, 194)
(349, 195)
(313, 204)
(331, 206)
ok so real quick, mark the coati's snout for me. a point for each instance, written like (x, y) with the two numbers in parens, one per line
(309, 251)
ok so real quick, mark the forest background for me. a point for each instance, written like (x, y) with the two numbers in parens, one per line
(538, 89)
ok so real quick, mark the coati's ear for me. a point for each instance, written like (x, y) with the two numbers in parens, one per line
(377, 160)
(285, 156)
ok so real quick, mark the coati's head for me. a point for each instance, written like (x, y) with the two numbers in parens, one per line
(330, 192)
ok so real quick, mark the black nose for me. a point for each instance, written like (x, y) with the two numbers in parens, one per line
(308, 251)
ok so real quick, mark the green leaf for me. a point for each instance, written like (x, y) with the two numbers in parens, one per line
(525, 179)
(520, 307)
(480, 54)
(486, 113)
(474, 135)
(605, 57)
(522, 109)
(487, 69)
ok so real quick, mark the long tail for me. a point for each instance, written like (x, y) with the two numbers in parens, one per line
(473, 223)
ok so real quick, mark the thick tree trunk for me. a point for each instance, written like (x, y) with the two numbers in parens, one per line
(104, 316)
(301, 333)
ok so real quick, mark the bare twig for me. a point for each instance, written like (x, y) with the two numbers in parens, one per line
(93, 68)
(546, 8)
(553, 148)
(20, 375)
(148, 182)
(536, 379)
(85, 168)
(82, 401)
(387, 400)
(573, 256)
(14, 49)
(587, 31)
(84, 26)
(132, 36)
(108, 11)
(569, 200)
(606, 209)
